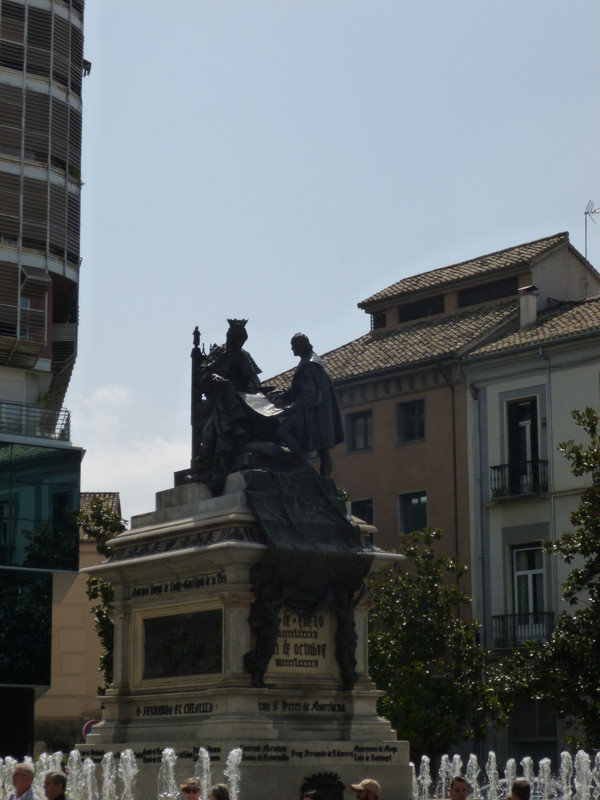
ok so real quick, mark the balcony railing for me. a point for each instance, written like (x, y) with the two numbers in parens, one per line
(26, 419)
(518, 478)
(510, 630)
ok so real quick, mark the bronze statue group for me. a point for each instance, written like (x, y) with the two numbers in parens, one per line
(237, 422)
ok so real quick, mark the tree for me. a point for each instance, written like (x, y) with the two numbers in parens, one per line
(424, 656)
(564, 672)
(101, 524)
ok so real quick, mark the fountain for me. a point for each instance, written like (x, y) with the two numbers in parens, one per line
(202, 772)
(109, 776)
(576, 779)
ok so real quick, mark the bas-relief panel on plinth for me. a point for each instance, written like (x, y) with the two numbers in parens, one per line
(178, 645)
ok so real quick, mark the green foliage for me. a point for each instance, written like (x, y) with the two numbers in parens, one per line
(424, 656)
(53, 546)
(25, 628)
(584, 540)
(101, 525)
(565, 671)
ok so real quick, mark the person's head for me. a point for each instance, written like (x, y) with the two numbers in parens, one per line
(301, 345)
(311, 794)
(520, 790)
(23, 777)
(459, 788)
(236, 333)
(367, 789)
(219, 792)
(54, 784)
(191, 788)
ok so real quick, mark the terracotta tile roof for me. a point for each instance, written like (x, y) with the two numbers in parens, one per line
(412, 345)
(111, 500)
(560, 322)
(483, 265)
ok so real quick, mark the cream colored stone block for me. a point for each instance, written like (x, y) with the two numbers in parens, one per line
(72, 665)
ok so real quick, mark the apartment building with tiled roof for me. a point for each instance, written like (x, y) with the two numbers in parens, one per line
(522, 389)
(453, 405)
(401, 386)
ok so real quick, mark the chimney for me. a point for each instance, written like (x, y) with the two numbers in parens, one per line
(527, 305)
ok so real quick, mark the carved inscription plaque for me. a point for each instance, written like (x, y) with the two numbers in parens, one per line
(183, 644)
(305, 644)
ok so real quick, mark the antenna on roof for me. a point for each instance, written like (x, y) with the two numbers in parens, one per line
(589, 210)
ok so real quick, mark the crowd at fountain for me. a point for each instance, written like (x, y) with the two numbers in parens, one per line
(115, 778)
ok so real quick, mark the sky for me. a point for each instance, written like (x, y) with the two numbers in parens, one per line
(282, 160)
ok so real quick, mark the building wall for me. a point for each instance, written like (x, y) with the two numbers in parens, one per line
(563, 275)
(563, 376)
(389, 469)
(72, 699)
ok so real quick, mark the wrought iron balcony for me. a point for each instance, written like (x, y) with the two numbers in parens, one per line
(510, 630)
(518, 478)
(26, 419)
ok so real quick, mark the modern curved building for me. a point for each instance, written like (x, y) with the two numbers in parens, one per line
(41, 70)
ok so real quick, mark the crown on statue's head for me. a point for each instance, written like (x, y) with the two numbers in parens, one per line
(240, 322)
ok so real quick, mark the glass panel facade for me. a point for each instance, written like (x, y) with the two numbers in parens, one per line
(39, 501)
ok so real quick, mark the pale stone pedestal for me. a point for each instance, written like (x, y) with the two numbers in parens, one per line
(183, 578)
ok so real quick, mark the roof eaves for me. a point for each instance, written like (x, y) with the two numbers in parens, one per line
(376, 300)
(369, 375)
(535, 344)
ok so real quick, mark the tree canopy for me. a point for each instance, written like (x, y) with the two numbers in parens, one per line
(101, 524)
(426, 657)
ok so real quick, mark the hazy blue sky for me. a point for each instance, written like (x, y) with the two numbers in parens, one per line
(281, 160)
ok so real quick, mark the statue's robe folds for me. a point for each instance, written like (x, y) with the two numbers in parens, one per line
(318, 422)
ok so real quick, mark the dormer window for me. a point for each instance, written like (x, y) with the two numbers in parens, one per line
(495, 290)
(421, 308)
(378, 320)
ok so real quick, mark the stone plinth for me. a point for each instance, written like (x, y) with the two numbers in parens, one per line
(184, 579)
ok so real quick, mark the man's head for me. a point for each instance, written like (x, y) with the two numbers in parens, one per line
(301, 345)
(459, 788)
(191, 787)
(23, 778)
(367, 789)
(520, 790)
(54, 784)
